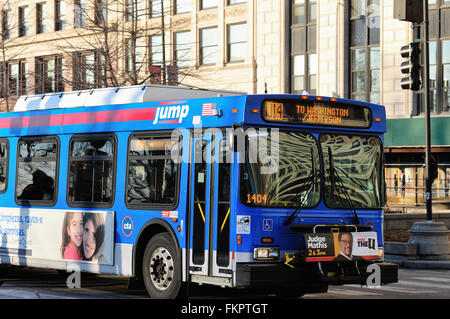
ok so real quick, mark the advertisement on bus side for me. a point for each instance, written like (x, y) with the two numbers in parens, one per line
(75, 235)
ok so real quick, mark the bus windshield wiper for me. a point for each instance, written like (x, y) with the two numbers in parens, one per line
(333, 175)
(312, 181)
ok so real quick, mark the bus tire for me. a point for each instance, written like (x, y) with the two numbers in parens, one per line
(161, 268)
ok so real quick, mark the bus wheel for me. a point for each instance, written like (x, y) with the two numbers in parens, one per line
(162, 272)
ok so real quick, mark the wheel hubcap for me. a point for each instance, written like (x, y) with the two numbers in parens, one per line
(161, 268)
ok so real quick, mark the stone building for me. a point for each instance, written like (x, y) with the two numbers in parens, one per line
(344, 48)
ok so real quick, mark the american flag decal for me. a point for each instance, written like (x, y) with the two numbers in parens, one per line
(208, 109)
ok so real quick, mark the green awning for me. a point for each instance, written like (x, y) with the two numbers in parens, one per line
(411, 132)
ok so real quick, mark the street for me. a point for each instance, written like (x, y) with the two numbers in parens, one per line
(34, 283)
(412, 284)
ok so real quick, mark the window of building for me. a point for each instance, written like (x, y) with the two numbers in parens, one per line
(41, 15)
(135, 54)
(365, 50)
(49, 76)
(18, 78)
(60, 15)
(208, 4)
(237, 42)
(365, 74)
(91, 170)
(208, 45)
(303, 48)
(156, 61)
(23, 21)
(101, 75)
(37, 163)
(89, 70)
(135, 10)
(79, 13)
(6, 24)
(439, 56)
(182, 6)
(182, 49)
(231, 2)
(101, 12)
(156, 50)
(155, 8)
(152, 178)
(4, 154)
(446, 74)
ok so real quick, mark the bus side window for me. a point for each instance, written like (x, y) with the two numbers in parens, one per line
(152, 177)
(91, 170)
(36, 170)
(3, 164)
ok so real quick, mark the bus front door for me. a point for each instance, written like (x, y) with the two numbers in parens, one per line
(210, 206)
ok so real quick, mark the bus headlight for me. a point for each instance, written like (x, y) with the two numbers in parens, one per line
(380, 253)
(266, 253)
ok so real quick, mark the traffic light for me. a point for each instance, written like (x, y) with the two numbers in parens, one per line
(411, 67)
(408, 10)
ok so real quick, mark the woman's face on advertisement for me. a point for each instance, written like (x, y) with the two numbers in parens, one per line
(89, 242)
(75, 229)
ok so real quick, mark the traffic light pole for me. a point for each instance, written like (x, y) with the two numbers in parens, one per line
(426, 83)
(430, 237)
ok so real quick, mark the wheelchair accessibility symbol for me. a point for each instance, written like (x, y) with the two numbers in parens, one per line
(267, 224)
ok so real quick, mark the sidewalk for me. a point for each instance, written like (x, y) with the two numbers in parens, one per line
(402, 262)
(411, 261)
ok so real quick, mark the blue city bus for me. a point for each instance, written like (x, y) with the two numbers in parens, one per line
(170, 186)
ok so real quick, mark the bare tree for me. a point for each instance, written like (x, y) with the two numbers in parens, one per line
(13, 71)
(122, 42)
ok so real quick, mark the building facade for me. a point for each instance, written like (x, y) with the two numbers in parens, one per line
(344, 48)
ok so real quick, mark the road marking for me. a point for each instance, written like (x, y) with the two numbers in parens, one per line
(18, 293)
(422, 284)
(395, 288)
(349, 292)
(433, 279)
(406, 290)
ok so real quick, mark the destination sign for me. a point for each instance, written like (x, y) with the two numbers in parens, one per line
(317, 113)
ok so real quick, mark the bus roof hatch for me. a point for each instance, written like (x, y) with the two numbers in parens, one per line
(114, 95)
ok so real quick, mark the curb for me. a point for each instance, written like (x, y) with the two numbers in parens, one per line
(402, 262)
(426, 264)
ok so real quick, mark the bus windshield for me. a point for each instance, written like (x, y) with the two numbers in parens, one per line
(294, 179)
(352, 171)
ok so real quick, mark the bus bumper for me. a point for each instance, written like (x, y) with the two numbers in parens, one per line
(311, 276)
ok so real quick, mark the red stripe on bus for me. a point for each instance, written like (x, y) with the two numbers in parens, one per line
(31, 121)
(110, 116)
(79, 118)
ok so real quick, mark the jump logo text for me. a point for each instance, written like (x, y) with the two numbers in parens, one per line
(171, 114)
